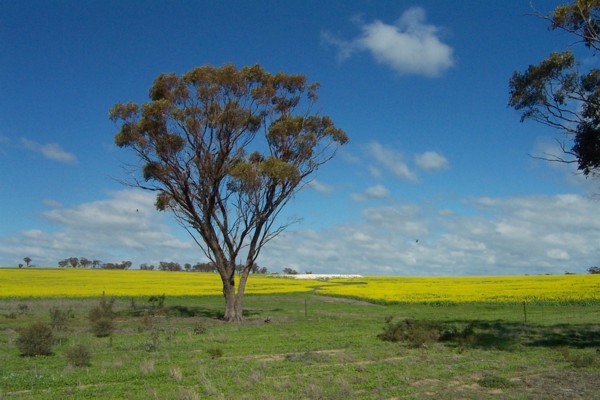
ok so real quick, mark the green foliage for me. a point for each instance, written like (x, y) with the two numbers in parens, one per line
(79, 356)
(558, 94)
(465, 337)
(36, 340)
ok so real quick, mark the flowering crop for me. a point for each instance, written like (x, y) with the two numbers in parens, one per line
(56, 282)
(555, 288)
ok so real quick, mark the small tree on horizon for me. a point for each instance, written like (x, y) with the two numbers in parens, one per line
(225, 149)
(27, 261)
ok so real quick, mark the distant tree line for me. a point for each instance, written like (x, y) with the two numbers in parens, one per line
(82, 262)
(75, 262)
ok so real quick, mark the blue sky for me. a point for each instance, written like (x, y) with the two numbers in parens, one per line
(436, 180)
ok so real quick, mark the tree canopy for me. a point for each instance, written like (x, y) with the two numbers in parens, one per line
(225, 149)
(558, 93)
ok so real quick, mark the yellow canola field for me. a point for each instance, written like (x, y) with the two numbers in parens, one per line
(67, 282)
(554, 288)
(57, 282)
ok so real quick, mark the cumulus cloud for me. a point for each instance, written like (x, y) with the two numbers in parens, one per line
(480, 236)
(373, 192)
(431, 161)
(320, 187)
(485, 236)
(409, 46)
(125, 226)
(51, 151)
(393, 161)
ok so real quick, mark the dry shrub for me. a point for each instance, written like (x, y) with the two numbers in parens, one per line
(175, 374)
(187, 394)
(147, 367)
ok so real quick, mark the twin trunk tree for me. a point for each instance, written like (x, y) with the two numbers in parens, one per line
(225, 149)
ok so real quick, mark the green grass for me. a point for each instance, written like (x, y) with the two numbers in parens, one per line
(314, 347)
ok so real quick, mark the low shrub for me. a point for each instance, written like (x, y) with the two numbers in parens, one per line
(102, 327)
(465, 337)
(413, 332)
(104, 310)
(79, 356)
(36, 340)
(59, 318)
(101, 317)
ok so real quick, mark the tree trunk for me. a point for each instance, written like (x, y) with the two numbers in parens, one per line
(234, 302)
(233, 310)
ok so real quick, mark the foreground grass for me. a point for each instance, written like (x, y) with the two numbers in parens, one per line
(313, 347)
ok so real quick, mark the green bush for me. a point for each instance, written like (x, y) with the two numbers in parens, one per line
(79, 356)
(413, 332)
(36, 340)
(102, 327)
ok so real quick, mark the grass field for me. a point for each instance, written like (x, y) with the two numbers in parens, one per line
(313, 346)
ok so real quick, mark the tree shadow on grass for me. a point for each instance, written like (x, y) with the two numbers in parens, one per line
(503, 335)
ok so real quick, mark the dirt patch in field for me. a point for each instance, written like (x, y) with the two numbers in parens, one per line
(563, 385)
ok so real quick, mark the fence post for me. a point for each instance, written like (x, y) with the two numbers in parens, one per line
(305, 308)
(525, 311)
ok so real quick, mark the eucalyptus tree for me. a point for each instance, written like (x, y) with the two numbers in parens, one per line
(559, 92)
(225, 149)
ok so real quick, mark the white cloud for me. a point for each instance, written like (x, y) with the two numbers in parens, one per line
(431, 161)
(320, 187)
(373, 192)
(410, 46)
(491, 236)
(482, 236)
(51, 151)
(125, 226)
(392, 160)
